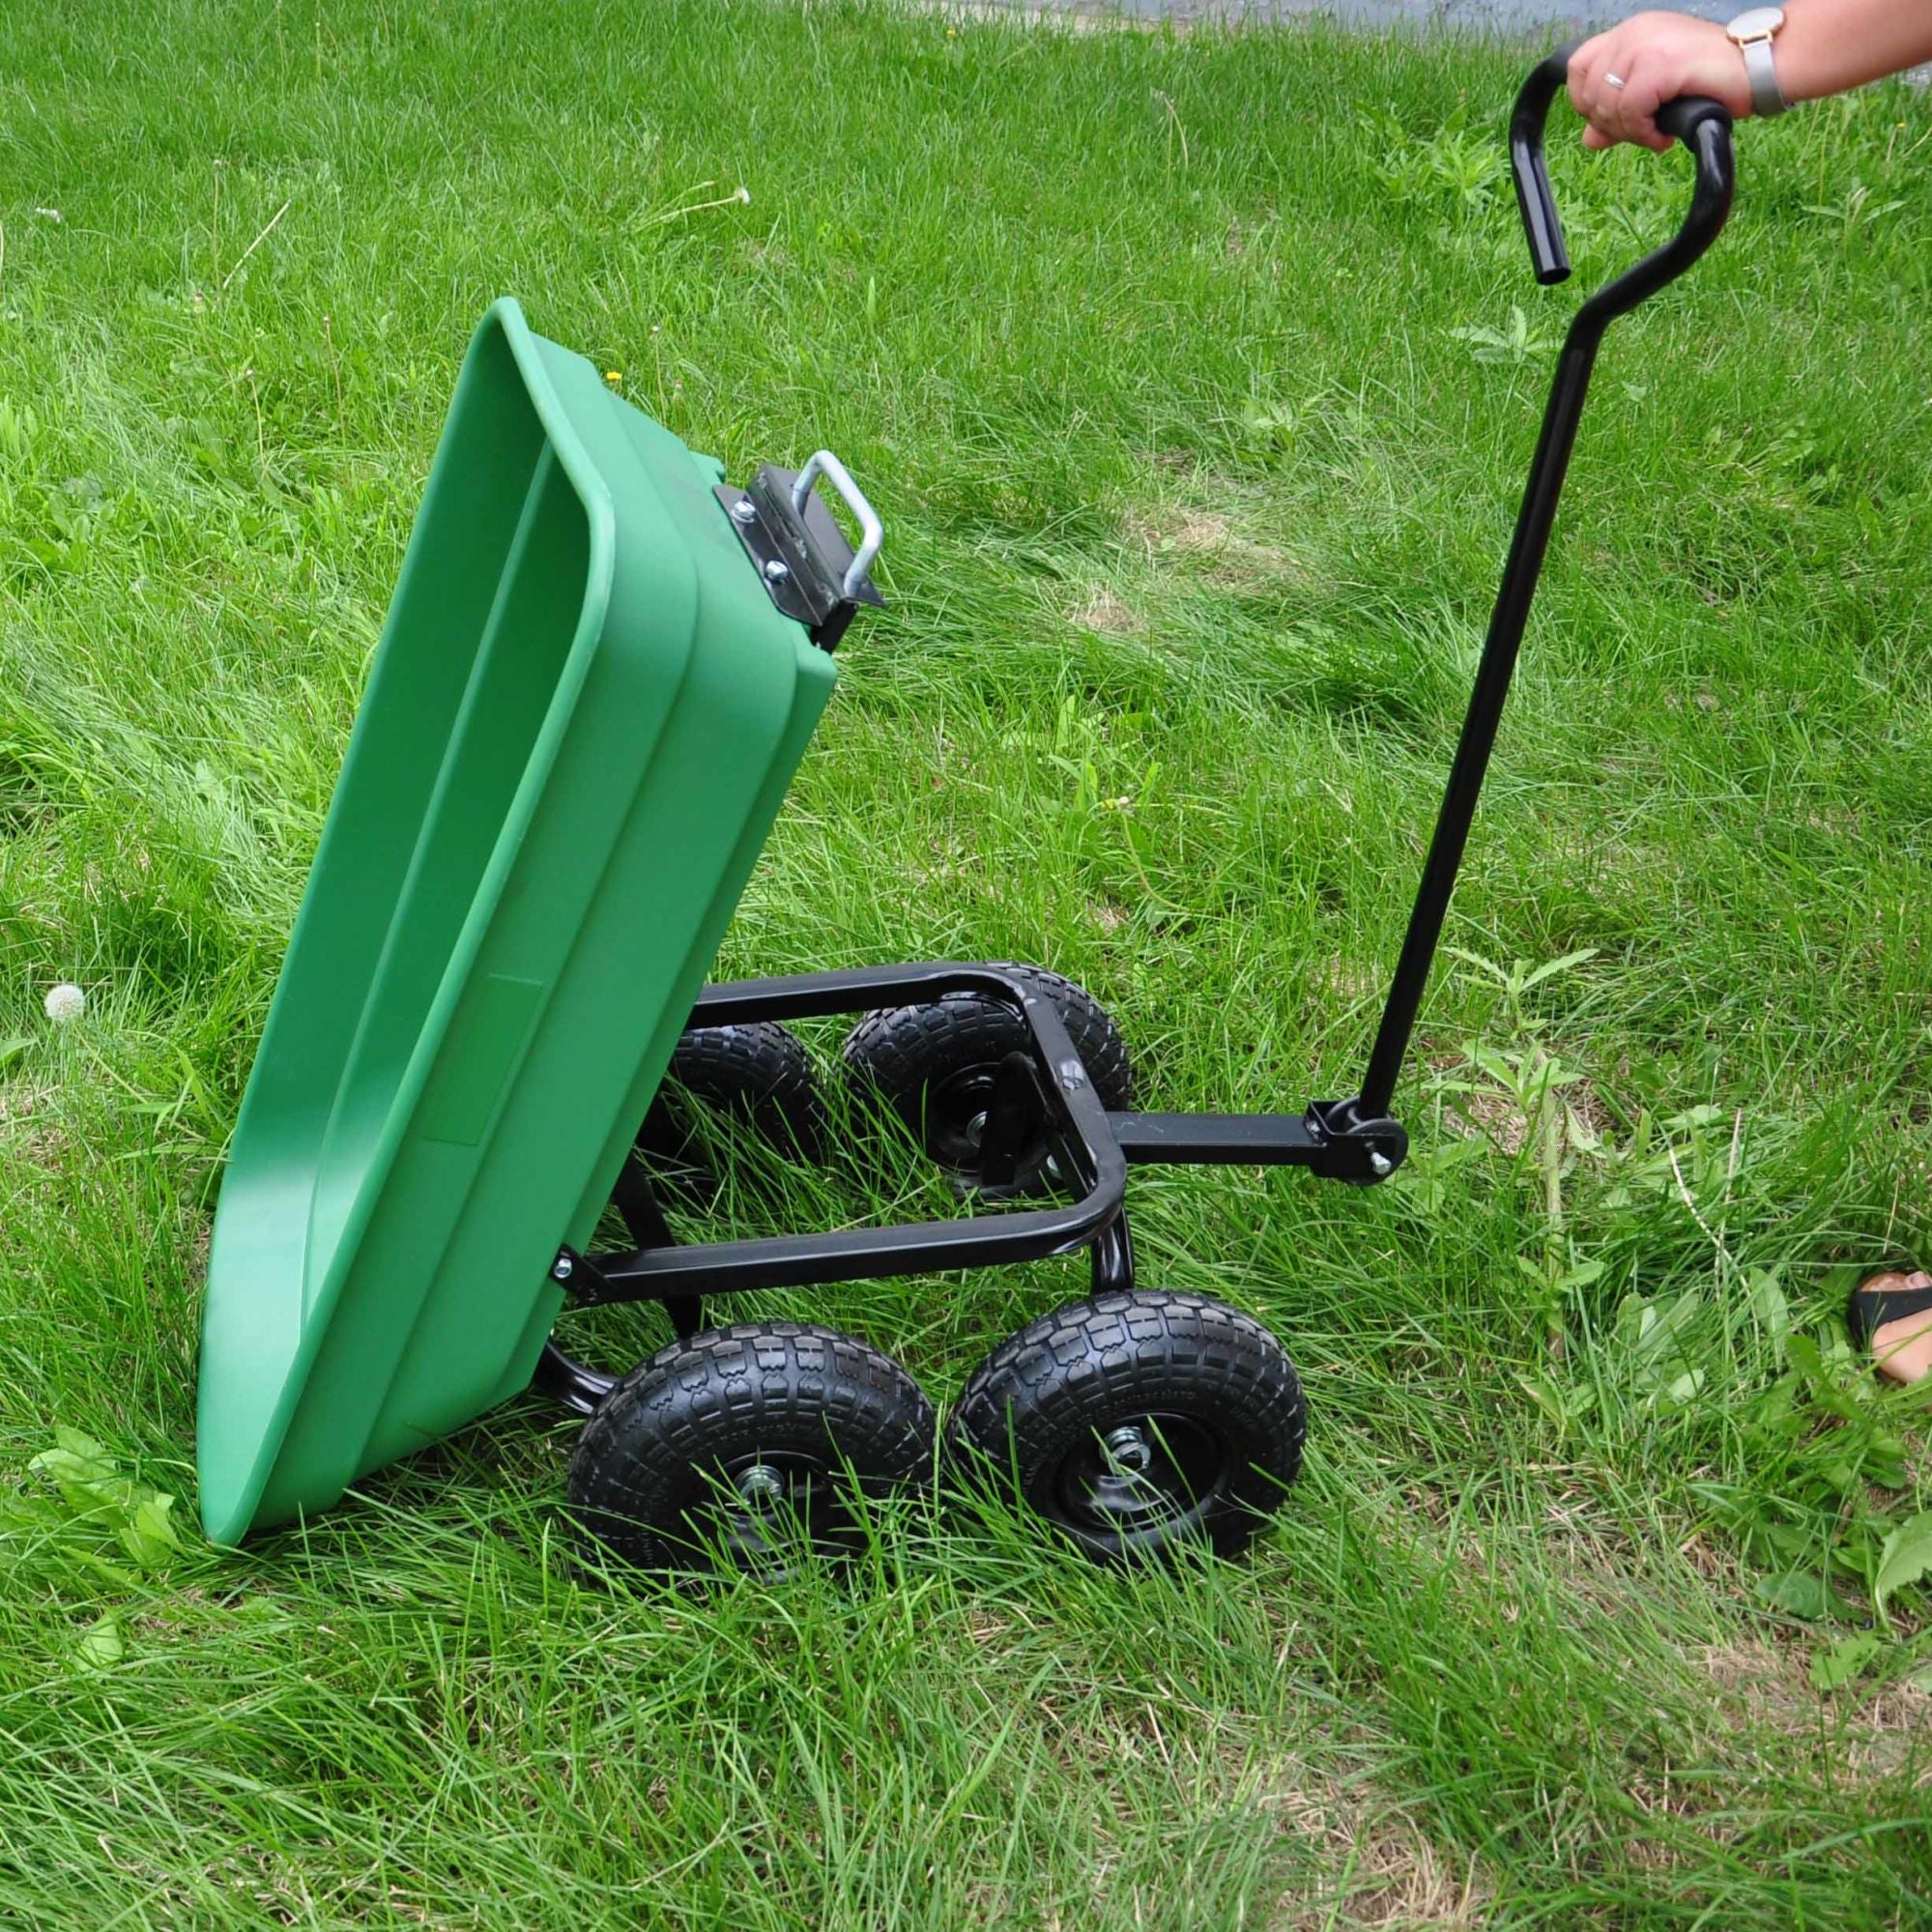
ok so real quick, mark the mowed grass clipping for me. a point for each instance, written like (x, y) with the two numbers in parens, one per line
(1196, 377)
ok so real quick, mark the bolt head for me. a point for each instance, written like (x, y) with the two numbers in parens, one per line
(744, 510)
(1379, 1165)
(562, 1268)
(761, 1486)
(776, 571)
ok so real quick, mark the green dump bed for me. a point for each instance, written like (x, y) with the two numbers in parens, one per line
(581, 721)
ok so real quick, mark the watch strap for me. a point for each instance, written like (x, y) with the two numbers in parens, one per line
(1761, 70)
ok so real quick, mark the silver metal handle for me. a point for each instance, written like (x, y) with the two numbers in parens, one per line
(871, 532)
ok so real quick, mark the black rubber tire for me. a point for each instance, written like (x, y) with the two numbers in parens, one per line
(759, 1073)
(1215, 1399)
(935, 1065)
(656, 1464)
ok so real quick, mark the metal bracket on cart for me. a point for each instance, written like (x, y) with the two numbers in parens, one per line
(807, 566)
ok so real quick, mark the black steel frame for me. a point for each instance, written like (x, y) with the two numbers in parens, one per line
(1354, 1139)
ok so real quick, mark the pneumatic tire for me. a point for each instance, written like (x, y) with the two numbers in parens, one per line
(1136, 1423)
(748, 1446)
(936, 1065)
(756, 1075)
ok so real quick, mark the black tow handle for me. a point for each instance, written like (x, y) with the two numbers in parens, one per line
(1702, 125)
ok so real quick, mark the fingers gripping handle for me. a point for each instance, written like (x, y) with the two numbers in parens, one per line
(1682, 119)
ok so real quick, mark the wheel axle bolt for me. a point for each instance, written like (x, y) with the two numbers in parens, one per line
(1379, 1165)
(761, 1486)
(1129, 1450)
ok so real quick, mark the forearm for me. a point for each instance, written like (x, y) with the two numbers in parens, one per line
(1620, 78)
(1829, 45)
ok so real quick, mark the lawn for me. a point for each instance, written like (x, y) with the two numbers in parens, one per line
(1196, 377)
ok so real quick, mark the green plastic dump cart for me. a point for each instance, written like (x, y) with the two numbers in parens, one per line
(599, 674)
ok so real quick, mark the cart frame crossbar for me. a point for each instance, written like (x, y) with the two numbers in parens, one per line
(1048, 1089)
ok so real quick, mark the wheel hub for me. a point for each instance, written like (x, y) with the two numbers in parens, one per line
(957, 1108)
(761, 1487)
(1144, 1475)
(769, 1505)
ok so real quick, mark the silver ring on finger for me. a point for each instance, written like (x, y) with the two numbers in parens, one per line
(1614, 80)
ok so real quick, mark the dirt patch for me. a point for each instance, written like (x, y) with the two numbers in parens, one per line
(21, 1101)
(1762, 1683)
(1193, 533)
(1493, 1113)
(26, 1126)
(1765, 1687)
(1396, 1876)
(1189, 533)
(1350, 980)
(1891, 1734)
(1102, 611)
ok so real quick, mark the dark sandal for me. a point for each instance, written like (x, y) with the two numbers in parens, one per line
(1871, 1307)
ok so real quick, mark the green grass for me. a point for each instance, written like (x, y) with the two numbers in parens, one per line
(1187, 374)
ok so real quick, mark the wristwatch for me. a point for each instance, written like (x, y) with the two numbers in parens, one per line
(1753, 33)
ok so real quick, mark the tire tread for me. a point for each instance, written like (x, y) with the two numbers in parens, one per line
(1122, 1352)
(639, 1465)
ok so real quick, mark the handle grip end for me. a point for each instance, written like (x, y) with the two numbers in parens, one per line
(1534, 198)
(1681, 118)
(1701, 125)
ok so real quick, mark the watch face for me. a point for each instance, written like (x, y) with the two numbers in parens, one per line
(1759, 24)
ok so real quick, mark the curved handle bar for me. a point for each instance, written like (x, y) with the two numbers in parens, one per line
(871, 532)
(1703, 126)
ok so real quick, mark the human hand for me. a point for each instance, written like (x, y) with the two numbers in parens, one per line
(1656, 57)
